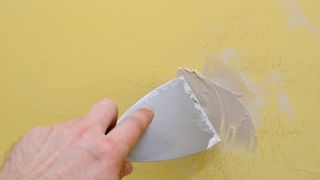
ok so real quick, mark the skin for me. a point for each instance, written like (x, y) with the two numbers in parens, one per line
(88, 148)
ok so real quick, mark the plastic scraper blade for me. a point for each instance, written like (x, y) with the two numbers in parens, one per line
(179, 128)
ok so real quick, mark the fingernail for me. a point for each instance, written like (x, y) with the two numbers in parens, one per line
(148, 108)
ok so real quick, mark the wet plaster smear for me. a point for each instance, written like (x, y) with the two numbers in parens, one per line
(234, 105)
(230, 118)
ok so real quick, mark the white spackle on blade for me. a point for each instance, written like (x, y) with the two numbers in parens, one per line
(204, 118)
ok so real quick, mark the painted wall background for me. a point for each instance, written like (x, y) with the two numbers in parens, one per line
(58, 57)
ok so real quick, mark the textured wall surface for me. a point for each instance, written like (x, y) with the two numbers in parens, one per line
(58, 57)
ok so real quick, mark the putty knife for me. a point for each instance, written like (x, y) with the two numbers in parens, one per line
(179, 128)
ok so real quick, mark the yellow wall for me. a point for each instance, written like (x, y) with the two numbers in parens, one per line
(58, 57)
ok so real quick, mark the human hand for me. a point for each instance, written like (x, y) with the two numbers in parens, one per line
(79, 149)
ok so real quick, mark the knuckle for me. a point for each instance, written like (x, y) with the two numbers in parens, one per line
(83, 129)
(85, 126)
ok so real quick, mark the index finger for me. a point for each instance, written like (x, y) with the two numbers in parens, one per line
(128, 133)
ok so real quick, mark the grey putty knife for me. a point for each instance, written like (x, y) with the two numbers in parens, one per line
(179, 128)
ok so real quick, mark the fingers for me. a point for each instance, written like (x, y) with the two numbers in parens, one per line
(126, 169)
(103, 115)
(127, 134)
